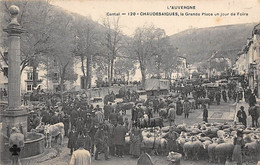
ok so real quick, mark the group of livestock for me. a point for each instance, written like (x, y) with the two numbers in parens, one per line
(204, 141)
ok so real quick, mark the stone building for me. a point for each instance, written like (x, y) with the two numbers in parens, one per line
(248, 60)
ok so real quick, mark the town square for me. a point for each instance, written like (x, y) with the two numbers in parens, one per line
(96, 83)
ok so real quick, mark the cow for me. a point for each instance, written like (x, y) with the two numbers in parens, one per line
(153, 122)
(254, 112)
(56, 130)
(163, 113)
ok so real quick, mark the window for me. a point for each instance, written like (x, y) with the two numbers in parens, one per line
(5, 71)
(55, 77)
(29, 87)
(29, 76)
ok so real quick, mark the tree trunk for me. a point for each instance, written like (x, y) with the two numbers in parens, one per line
(61, 89)
(143, 76)
(34, 75)
(89, 72)
(128, 75)
(84, 73)
(111, 70)
(108, 74)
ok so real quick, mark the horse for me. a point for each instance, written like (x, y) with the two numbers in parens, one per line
(254, 112)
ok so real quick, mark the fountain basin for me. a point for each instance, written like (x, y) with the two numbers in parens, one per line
(34, 145)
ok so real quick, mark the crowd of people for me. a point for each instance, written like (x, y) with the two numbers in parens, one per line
(103, 129)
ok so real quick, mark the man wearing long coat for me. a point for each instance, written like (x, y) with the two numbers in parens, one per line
(241, 114)
(101, 142)
(119, 139)
(186, 108)
(72, 143)
(111, 140)
(252, 100)
(113, 118)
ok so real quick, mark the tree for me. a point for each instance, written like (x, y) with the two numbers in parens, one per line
(143, 48)
(124, 67)
(170, 61)
(87, 45)
(151, 46)
(35, 19)
(62, 56)
(112, 43)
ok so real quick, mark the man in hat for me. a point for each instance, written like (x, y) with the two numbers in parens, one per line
(97, 108)
(239, 143)
(171, 114)
(156, 105)
(101, 142)
(140, 111)
(224, 95)
(134, 113)
(106, 111)
(111, 134)
(241, 115)
(178, 106)
(80, 124)
(87, 139)
(113, 117)
(150, 111)
(171, 138)
(218, 96)
(88, 121)
(45, 116)
(54, 118)
(66, 121)
(119, 138)
(186, 108)
(205, 113)
(99, 115)
(252, 100)
(72, 143)
(92, 133)
(73, 117)
(80, 156)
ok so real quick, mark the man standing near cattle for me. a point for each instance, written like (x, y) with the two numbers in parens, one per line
(186, 108)
(80, 156)
(171, 114)
(241, 114)
(119, 138)
(101, 141)
(205, 113)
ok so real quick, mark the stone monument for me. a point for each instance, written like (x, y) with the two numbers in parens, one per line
(14, 115)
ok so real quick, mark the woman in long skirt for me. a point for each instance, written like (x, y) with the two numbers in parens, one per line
(239, 143)
(136, 139)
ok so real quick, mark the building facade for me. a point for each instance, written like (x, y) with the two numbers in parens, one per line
(248, 60)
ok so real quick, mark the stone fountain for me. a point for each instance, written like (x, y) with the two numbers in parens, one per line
(15, 115)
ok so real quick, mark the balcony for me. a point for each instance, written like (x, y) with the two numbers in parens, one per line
(29, 80)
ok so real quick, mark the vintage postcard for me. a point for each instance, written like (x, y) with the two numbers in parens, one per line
(113, 82)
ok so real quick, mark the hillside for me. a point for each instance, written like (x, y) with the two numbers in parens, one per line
(199, 44)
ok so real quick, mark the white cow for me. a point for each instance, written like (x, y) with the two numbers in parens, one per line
(56, 130)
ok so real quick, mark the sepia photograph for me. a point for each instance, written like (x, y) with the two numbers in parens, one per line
(130, 82)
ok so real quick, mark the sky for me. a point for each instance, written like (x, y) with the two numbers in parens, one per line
(249, 12)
